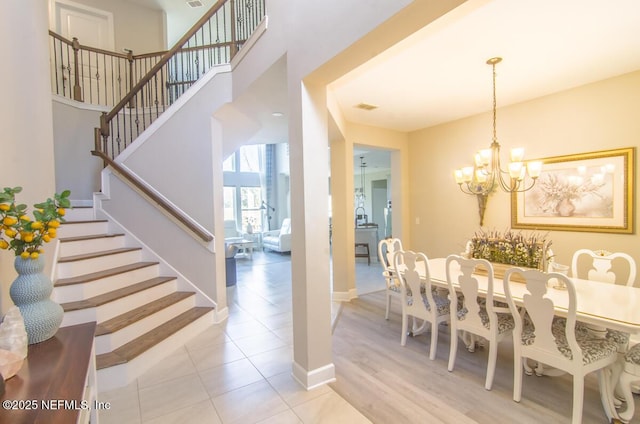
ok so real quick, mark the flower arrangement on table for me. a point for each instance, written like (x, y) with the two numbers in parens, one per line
(23, 234)
(511, 248)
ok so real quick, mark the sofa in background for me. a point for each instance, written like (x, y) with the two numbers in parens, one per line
(278, 240)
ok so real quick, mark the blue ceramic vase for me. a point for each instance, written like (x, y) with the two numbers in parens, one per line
(31, 292)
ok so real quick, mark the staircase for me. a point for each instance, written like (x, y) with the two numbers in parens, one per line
(142, 313)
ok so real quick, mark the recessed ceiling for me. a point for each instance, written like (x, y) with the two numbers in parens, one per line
(440, 73)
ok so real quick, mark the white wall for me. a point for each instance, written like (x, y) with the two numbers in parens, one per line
(25, 113)
(181, 17)
(599, 116)
(76, 169)
(175, 155)
(180, 157)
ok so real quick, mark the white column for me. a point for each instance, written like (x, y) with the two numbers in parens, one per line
(309, 164)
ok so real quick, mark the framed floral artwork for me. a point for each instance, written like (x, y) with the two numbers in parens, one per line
(583, 192)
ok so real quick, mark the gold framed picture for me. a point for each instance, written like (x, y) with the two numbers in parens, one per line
(584, 192)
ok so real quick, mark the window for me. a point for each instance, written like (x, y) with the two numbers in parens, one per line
(229, 204)
(251, 200)
(251, 158)
(229, 164)
(243, 191)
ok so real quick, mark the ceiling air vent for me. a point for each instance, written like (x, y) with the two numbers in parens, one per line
(194, 3)
(365, 106)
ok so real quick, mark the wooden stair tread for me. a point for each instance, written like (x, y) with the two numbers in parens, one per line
(137, 314)
(85, 278)
(89, 237)
(114, 295)
(97, 254)
(134, 348)
(85, 221)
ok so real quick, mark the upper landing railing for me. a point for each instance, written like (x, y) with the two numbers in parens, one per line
(213, 40)
(95, 76)
(142, 87)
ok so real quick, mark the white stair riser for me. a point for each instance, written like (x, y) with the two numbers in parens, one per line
(110, 310)
(79, 247)
(121, 375)
(75, 292)
(79, 214)
(100, 263)
(108, 342)
(79, 229)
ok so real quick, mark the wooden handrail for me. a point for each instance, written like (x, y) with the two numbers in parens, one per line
(136, 121)
(87, 48)
(172, 210)
(159, 65)
(165, 81)
(106, 52)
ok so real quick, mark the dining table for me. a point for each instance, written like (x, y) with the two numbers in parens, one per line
(598, 304)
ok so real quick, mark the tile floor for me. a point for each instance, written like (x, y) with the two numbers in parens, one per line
(239, 371)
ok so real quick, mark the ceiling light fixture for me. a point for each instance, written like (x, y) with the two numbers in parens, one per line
(487, 173)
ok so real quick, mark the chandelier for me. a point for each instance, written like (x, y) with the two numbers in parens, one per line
(487, 173)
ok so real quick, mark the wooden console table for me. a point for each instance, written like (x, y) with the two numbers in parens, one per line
(57, 382)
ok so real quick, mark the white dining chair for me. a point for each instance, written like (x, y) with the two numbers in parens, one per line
(475, 312)
(558, 346)
(606, 267)
(386, 249)
(629, 379)
(413, 273)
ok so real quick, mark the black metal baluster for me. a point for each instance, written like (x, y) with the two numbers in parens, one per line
(68, 69)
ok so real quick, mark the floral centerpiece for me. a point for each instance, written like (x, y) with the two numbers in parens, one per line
(511, 248)
(25, 235)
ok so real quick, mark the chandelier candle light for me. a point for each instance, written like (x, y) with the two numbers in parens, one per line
(487, 172)
(482, 178)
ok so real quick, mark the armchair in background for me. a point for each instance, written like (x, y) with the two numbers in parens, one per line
(231, 231)
(278, 240)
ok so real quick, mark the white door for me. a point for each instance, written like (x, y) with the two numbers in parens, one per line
(93, 28)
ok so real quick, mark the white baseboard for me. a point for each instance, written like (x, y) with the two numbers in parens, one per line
(315, 378)
(344, 296)
(221, 315)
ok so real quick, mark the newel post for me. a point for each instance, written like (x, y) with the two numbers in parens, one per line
(234, 41)
(132, 102)
(77, 91)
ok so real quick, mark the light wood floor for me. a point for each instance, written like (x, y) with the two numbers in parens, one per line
(390, 383)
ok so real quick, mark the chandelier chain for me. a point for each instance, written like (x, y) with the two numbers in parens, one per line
(495, 138)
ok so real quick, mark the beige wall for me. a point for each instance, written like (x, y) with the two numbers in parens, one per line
(598, 116)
